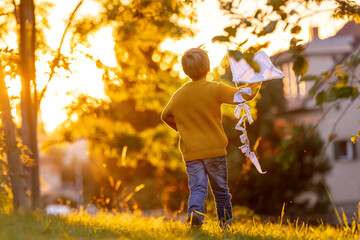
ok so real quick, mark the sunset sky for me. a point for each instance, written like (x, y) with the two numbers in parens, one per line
(86, 78)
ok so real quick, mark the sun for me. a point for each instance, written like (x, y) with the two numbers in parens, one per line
(85, 78)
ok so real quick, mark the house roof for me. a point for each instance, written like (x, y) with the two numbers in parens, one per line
(344, 41)
(350, 28)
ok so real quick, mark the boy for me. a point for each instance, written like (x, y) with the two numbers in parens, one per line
(194, 111)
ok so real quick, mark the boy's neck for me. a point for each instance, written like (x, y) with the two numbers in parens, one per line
(200, 79)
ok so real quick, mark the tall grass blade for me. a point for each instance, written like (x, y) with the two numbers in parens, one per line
(358, 216)
(199, 213)
(344, 218)
(333, 204)
(282, 214)
(138, 188)
(191, 217)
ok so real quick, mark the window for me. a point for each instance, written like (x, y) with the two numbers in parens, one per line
(292, 87)
(344, 150)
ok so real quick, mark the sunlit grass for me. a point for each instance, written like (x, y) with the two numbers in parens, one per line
(128, 226)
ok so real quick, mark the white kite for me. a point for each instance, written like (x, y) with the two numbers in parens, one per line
(243, 72)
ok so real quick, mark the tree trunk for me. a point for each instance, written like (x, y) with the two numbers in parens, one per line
(20, 200)
(29, 94)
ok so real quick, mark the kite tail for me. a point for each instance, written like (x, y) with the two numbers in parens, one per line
(245, 148)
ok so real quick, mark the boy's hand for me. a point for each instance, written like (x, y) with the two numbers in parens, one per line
(169, 120)
(172, 124)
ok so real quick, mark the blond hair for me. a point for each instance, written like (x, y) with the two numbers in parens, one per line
(195, 63)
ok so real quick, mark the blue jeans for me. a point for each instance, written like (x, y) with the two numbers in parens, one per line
(214, 169)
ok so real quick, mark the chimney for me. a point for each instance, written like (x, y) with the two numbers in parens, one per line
(314, 33)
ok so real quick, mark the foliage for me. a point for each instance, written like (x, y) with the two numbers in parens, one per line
(6, 195)
(8, 26)
(125, 131)
(20, 61)
(125, 226)
(339, 83)
(290, 154)
(5, 192)
(144, 79)
(347, 10)
(355, 138)
(137, 188)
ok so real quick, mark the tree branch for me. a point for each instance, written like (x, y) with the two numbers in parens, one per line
(5, 14)
(16, 12)
(353, 72)
(58, 54)
(337, 122)
(312, 14)
(350, 6)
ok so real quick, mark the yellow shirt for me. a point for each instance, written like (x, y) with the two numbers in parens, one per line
(194, 111)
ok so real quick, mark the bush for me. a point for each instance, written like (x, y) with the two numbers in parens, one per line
(291, 155)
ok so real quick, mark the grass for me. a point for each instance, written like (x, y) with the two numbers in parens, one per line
(126, 226)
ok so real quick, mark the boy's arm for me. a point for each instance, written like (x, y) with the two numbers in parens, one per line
(168, 117)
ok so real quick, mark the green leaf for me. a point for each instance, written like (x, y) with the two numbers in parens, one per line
(300, 66)
(268, 28)
(332, 137)
(354, 139)
(249, 59)
(294, 41)
(341, 92)
(355, 91)
(326, 74)
(257, 13)
(354, 61)
(255, 66)
(231, 31)
(321, 98)
(220, 38)
(310, 78)
(296, 29)
(292, 12)
(332, 95)
(341, 74)
(226, 6)
(286, 26)
(242, 43)
(283, 15)
(256, 48)
(236, 54)
(314, 88)
(276, 4)
(246, 22)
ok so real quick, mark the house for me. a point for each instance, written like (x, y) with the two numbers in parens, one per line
(342, 118)
(61, 174)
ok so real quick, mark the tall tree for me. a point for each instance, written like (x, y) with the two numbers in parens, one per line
(20, 199)
(20, 61)
(29, 92)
